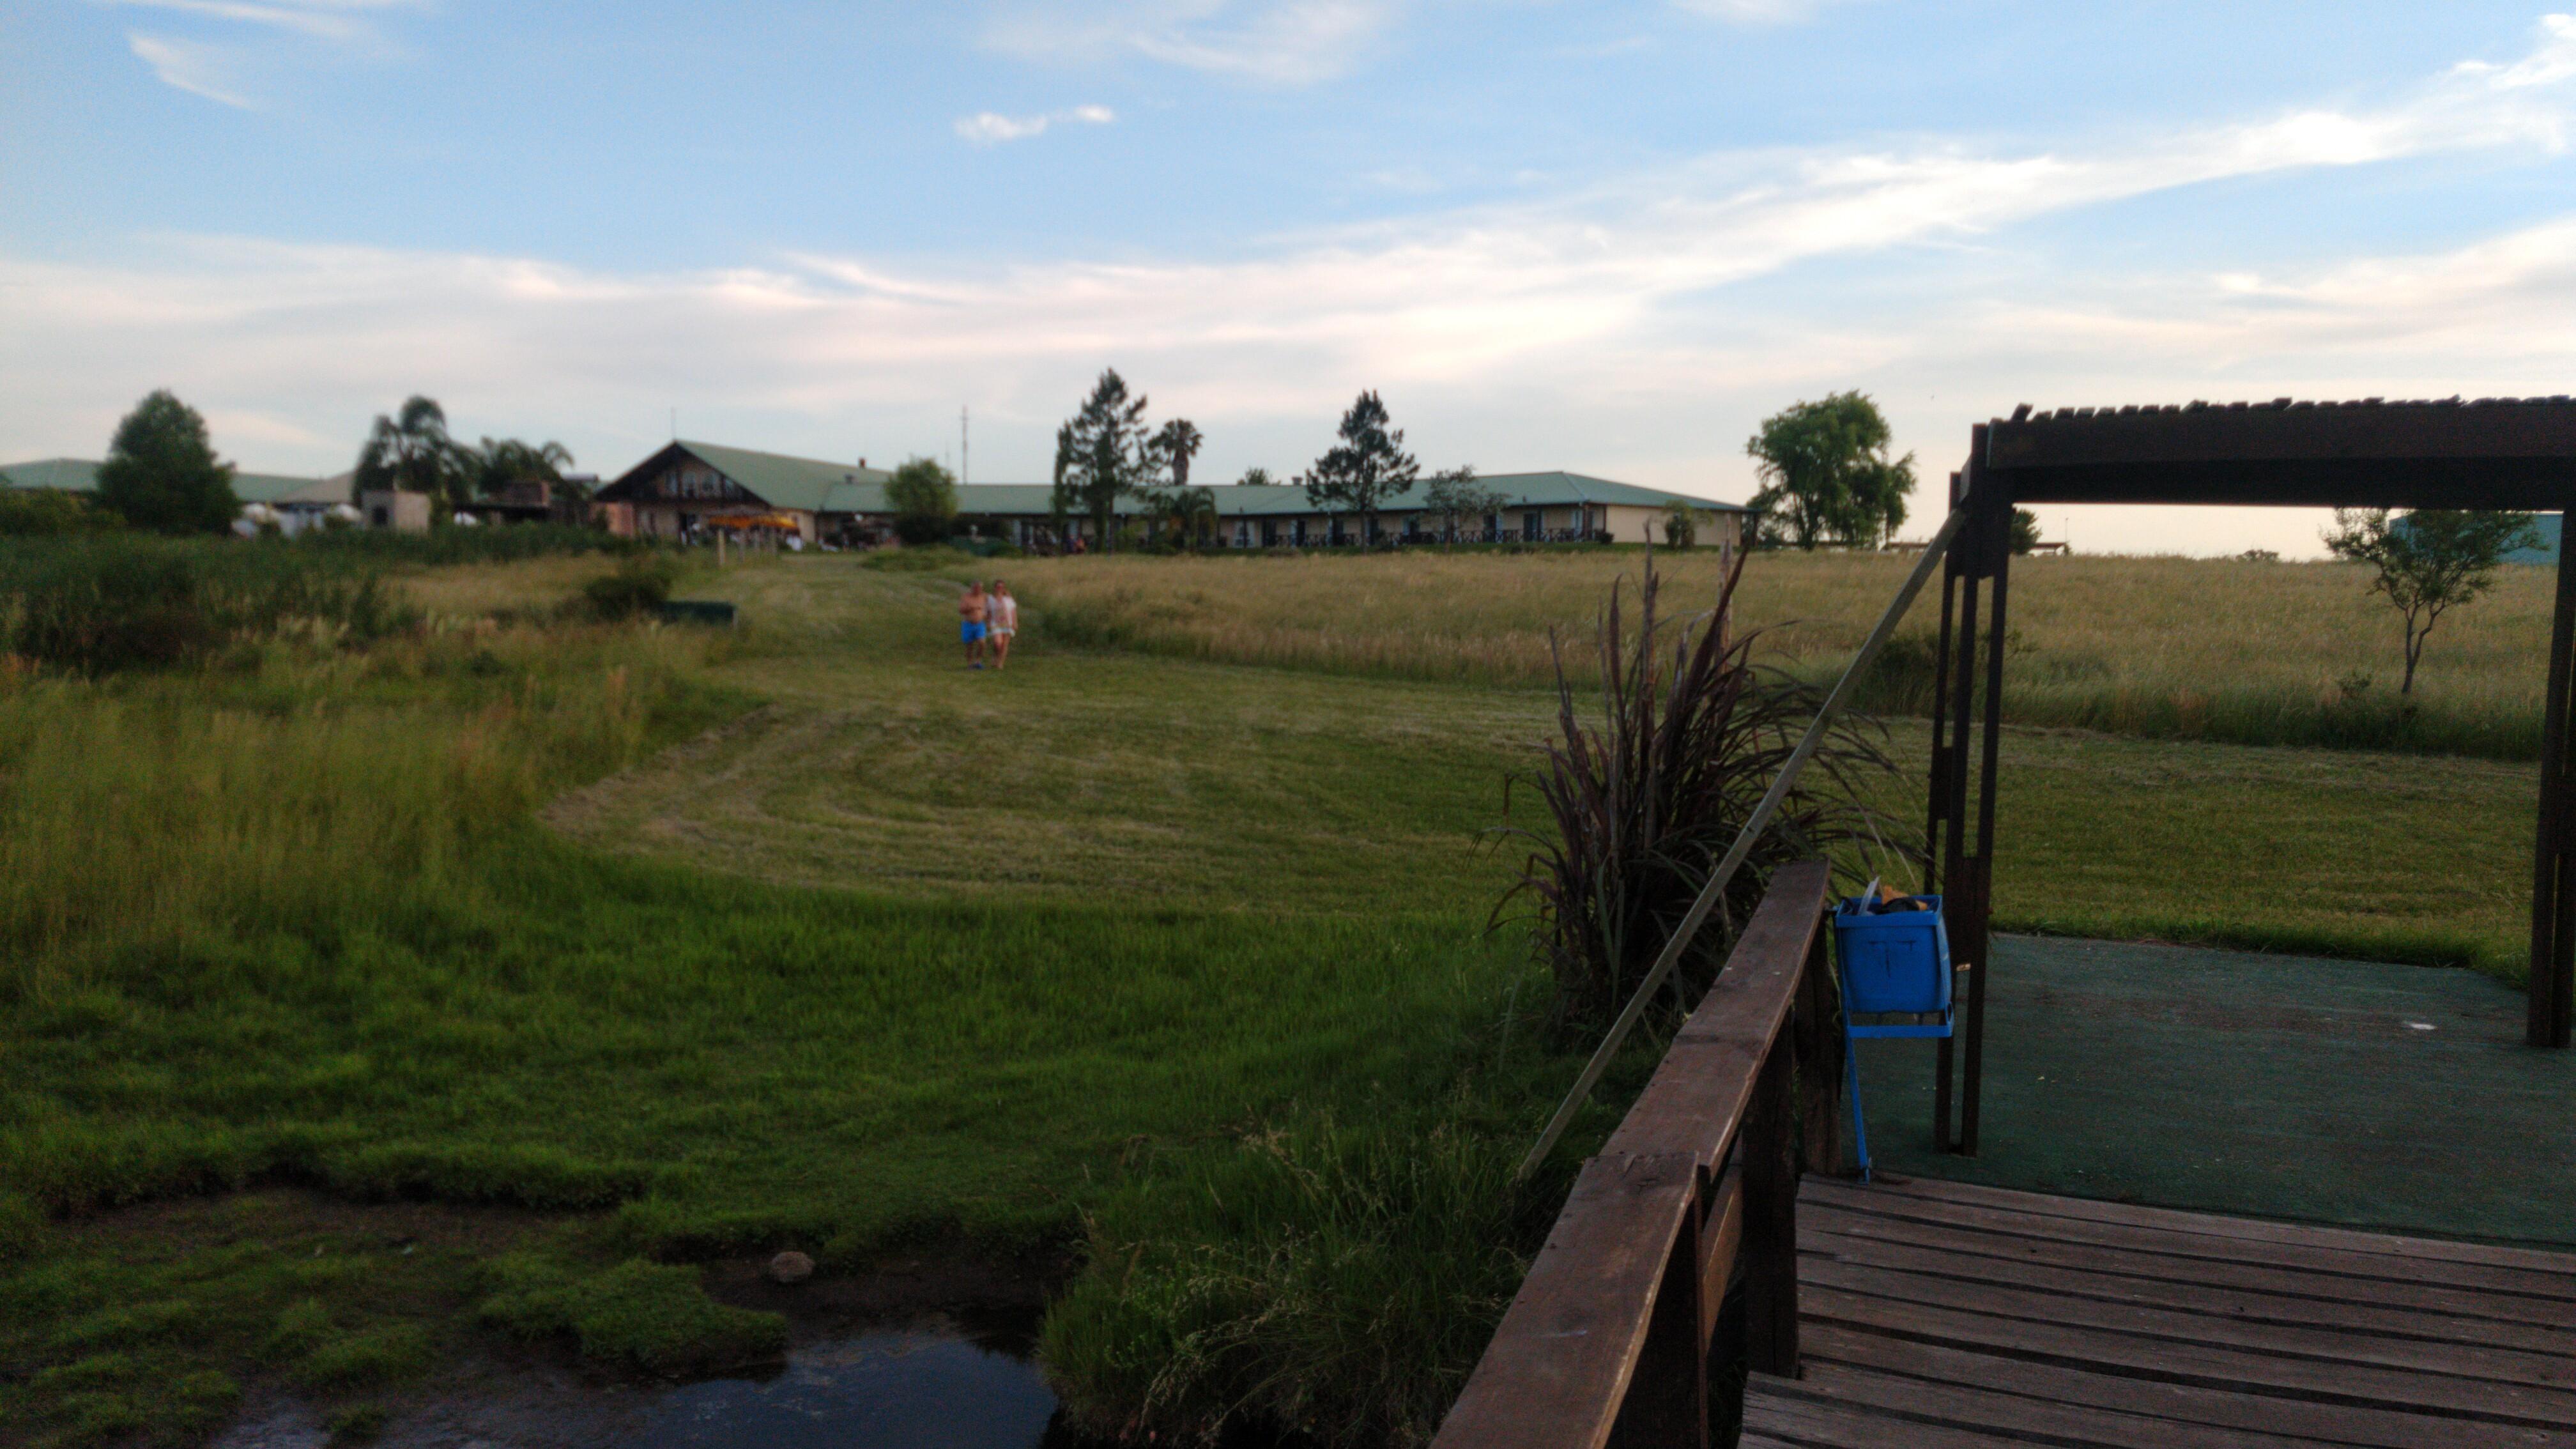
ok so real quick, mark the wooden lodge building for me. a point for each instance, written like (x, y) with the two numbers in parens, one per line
(687, 488)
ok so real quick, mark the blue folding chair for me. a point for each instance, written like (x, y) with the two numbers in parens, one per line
(1893, 962)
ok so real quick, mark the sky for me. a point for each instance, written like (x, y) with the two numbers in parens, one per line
(1603, 237)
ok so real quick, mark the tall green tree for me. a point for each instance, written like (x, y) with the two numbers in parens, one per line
(1365, 469)
(1255, 477)
(1826, 476)
(411, 451)
(161, 472)
(923, 495)
(2430, 561)
(1103, 453)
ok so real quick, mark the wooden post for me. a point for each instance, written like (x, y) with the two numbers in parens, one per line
(2553, 934)
(1995, 520)
(1819, 1035)
(1769, 1151)
(1968, 559)
(1667, 1402)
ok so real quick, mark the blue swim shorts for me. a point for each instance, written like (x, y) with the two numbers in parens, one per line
(969, 631)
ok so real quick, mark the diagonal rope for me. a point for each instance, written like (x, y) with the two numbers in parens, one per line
(1754, 825)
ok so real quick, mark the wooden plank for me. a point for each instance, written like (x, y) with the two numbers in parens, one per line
(2533, 485)
(2542, 431)
(1769, 1152)
(1969, 1404)
(2465, 1361)
(2190, 1403)
(1696, 1099)
(2104, 1350)
(2205, 1245)
(1832, 1426)
(2253, 1306)
(2354, 1240)
(2459, 1303)
(1560, 1362)
(1721, 1234)
(1816, 1023)
(1666, 1406)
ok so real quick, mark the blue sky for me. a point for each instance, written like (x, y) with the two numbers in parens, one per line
(1604, 237)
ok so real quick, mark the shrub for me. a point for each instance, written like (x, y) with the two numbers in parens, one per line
(641, 585)
(48, 512)
(106, 602)
(1332, 1284)
(921, 530)
(1642, 806)
(442, 546)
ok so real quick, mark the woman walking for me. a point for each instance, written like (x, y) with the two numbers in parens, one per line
(1004, 612)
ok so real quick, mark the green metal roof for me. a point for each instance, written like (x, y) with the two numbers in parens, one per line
(72, 475)
(809, 485)
(80, 475)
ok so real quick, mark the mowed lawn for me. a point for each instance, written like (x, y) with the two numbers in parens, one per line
(666, 946)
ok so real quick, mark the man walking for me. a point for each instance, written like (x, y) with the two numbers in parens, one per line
(1004, 612)
(972, 608)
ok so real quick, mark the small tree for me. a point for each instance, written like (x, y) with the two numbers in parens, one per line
(2429, 561)
(1255, 478)
(1456, 494)
(923, 495)
(1103, 453)
(1826, 474)
(161, 473)
(1681, 526)
(412, 451)
(1366, 468)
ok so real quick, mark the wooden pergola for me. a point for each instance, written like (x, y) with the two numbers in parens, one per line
(2497, 453)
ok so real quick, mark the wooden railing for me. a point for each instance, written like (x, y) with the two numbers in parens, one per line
(1608, 1341)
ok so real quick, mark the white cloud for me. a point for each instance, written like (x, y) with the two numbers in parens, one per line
(200, 70)
(1277, 42)
(1759, 12)
(1595, 328)
(991, 128)
(261, 36)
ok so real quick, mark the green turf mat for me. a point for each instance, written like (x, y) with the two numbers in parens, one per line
(2395, 1097)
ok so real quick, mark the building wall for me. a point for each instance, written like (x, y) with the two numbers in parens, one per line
(402, 512)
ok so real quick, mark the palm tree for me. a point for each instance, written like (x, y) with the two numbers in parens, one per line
(1179, 441)
(411, 451)
(499, 463)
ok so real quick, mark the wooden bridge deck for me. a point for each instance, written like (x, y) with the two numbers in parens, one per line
(1938, 1315)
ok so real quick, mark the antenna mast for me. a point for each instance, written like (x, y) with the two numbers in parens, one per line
(965, 469)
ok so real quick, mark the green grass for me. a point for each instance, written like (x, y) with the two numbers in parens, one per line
(1182, 959)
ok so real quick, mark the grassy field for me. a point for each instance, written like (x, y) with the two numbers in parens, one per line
(2165, 648)
(588, 953)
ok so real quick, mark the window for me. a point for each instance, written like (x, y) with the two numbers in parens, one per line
(1530, 522)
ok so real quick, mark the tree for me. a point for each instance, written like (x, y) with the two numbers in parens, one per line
(1255, 478)
(1681, 526)
(1366, 468)
(2025, 530)
(161, 473)
(1104, 453)
(2430, 561)
(1189, 513)
(1826, 474)
(1177, 443)
(411, 451)
(1454, 494)
(499, 463)
(923, 495)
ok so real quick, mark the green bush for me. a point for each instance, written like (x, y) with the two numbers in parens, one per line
(1336, 1285)
(99, 603)
(49, 512)
(503, 543)
(641, 585)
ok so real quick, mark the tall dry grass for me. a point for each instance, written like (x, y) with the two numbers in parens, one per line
(284, 789)
(2252, 653)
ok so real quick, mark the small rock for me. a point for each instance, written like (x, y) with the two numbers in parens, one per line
(790, 1267)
